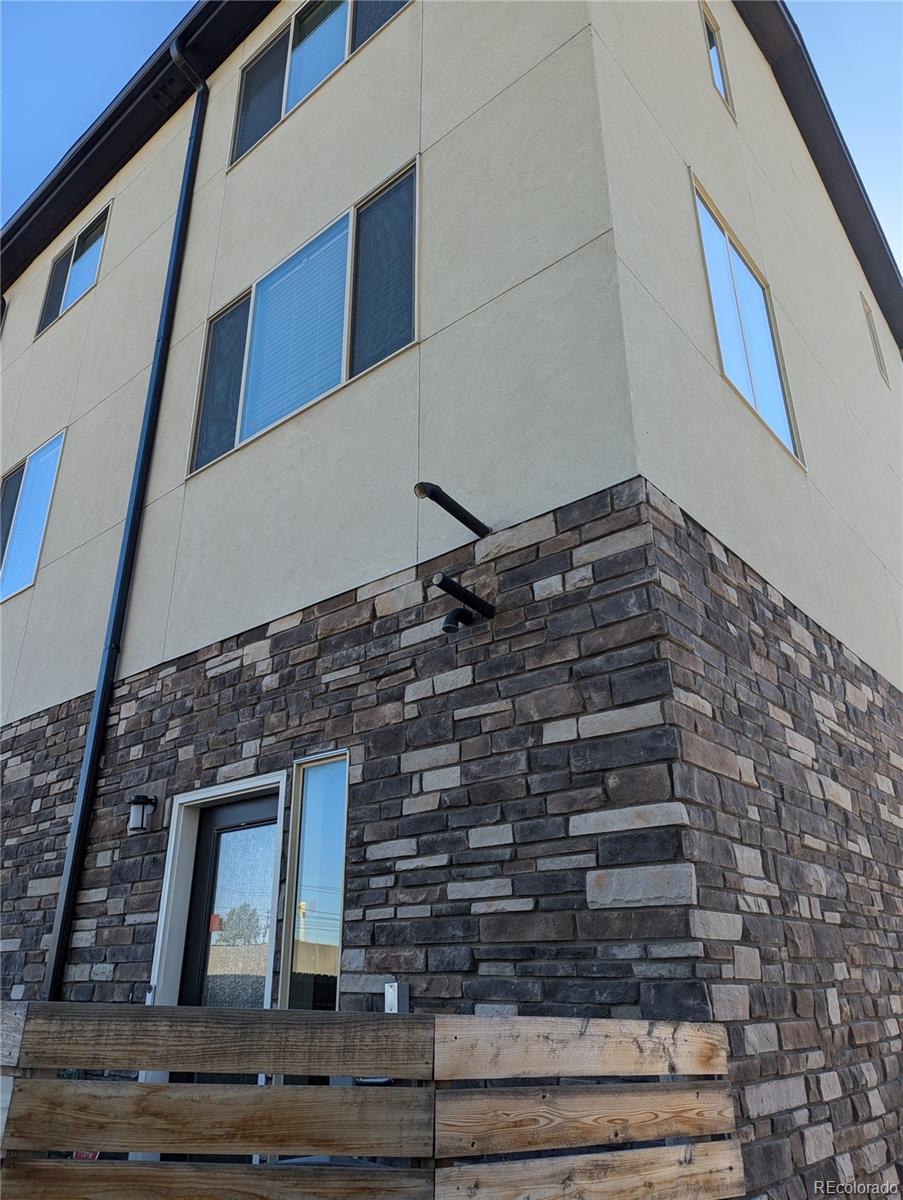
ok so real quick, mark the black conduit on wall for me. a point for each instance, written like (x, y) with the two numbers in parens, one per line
(87, 779)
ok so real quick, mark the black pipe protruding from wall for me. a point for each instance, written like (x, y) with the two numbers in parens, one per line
(432, 491)
(455, 618)
(465, 595)
(128, 547)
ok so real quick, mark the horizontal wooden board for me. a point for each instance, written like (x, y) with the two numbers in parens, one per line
(62, 1180)
(550, 1047)
(127, 1037)
(703, 1171)
(219, 1118)
(508, 1120)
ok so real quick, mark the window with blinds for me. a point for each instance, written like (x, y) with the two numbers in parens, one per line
(339, 305)
(318, 39)
(295, 348)
(383, 275)
(24, 505)
(74, 271)
(743, 321)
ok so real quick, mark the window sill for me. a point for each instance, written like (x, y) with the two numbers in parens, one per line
(304, 99)
(727, 104)
(18, 591)
(65, 311)
(792, 454)
(297, 412)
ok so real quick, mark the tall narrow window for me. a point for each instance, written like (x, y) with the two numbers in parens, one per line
(873, 334)
(222, 383)
(300, 342)
(316, 886)
(260, 103)
(318, 39)
(74, 271)
(716, 56)
(24, 505)
(746, 337)
(9, 494)
(384, 275)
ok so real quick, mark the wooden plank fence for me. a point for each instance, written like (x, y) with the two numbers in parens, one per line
(464, 1092)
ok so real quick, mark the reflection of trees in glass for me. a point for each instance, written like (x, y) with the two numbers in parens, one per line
(240, 927)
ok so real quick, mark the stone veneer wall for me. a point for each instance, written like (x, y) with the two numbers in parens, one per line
(791, 766)
(650, 787)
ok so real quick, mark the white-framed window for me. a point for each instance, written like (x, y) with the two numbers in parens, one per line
(873, 334)
(337, 306)
(24, 504)
(319, 38)
(315, 884)
(744, 322)
(74, 271)
(716, 56)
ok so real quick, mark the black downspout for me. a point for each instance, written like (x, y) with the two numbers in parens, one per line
(81, 816)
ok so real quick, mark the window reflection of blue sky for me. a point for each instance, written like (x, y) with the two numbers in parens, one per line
(322, 854)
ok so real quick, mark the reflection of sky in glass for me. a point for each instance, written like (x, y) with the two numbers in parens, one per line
(83, 271)
(743, 322)
(769, 392)
(322, 854)
(727, 319)
(27, 530)
(318, 50)
(715, 59)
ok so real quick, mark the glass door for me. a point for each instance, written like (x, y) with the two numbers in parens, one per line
(228, 936)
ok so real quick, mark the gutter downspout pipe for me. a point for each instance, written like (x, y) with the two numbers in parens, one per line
(128, 547)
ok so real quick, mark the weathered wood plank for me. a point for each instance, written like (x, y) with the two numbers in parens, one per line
(129, 1037)
(219, 1118)
(12, 1022)
(67, 1180)
(540, 1047)
(704, 1171)
(509, 1120)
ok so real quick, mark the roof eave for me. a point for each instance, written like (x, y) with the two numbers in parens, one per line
(208, 34)
(213, 29)
(776, 34)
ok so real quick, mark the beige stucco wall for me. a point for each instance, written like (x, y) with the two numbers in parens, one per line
(514, 397)
(830, 535)
(564, 336)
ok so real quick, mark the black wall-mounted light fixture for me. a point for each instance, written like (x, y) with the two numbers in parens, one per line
(140, 811)
(432, 491)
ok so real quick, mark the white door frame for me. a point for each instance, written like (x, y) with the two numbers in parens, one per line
(169, 946)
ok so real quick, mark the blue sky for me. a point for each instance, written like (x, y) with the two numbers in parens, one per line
(50, 94)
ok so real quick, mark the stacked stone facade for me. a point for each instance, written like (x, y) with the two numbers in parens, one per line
(791, 766)
(649, 787)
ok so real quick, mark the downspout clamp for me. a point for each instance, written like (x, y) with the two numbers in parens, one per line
(128, 548)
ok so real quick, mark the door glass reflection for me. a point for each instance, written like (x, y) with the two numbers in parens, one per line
(318, 896)
(239, 924)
